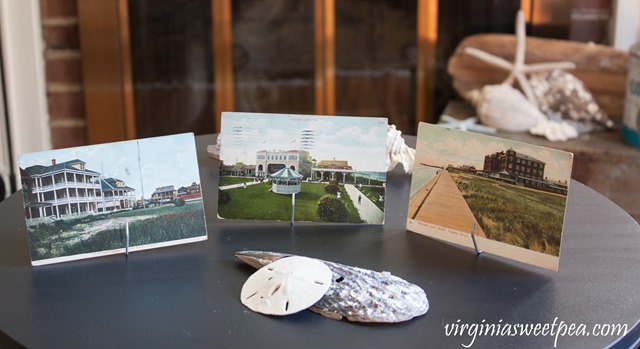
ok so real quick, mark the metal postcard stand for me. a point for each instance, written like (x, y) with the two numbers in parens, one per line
(293, 207)
(473, 237)
(126, 230)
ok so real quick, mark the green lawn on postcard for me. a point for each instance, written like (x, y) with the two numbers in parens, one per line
(259, 203)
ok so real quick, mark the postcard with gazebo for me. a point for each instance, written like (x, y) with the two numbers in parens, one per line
(112, 198)
(310, 168)
(506, 196)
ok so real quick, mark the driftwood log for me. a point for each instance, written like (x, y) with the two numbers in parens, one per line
(602, 68)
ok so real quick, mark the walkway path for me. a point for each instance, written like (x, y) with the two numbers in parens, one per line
(440, 202)
(368, 211)
(239, 185)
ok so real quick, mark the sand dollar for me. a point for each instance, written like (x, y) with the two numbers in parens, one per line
(286, 286)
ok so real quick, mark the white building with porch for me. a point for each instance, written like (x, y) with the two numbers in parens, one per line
(116, 195)
(60, 189)
(333, 170)
(270, 162)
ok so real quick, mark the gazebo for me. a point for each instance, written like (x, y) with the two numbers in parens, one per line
(286, 181)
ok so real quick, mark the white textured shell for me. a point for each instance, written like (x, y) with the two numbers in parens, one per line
(397, 151)
(505, 108)
(214, 150)
(555, 131)
(561, 93)
(286, 286)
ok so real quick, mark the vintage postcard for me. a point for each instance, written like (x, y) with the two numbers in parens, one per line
(112, 198)
(511, 196)
(302, 168)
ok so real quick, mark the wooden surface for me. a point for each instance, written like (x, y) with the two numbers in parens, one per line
(602, 68)
(223, 61)
(325, 33)
(128, 100)
(427, 32)
(101, 57)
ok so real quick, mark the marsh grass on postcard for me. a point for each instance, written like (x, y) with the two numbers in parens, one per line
(79, 201)
(334, 166)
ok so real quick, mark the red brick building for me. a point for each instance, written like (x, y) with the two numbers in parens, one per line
(515, 163)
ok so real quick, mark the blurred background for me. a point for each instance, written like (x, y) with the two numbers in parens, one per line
(79, 72)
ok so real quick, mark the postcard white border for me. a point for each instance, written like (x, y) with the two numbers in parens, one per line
(498, 248)
(117, 251)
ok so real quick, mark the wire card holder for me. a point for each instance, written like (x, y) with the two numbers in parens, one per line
(473, 237)
(126, 231)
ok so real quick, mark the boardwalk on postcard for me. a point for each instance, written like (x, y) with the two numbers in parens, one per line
(440, 203)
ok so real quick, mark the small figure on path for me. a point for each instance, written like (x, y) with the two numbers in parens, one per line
(359, 199)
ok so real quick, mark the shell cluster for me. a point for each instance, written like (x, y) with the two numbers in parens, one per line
(557, 104)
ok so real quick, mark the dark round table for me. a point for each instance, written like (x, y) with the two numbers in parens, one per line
(188, 295)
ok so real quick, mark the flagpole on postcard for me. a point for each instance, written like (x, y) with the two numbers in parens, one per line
(140, 169)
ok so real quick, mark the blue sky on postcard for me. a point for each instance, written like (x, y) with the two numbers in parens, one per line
(440, 146)
(359, 140)
(167, 160)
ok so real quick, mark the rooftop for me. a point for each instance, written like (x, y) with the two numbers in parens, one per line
(67, 165)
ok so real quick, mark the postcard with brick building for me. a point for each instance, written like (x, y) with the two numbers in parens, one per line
(112, 198)
(310, 168)
(511, 196)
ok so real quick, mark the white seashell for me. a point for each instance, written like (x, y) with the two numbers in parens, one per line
(286, 286)
(397, 151)
(505, 108)
(214, 149)
(555, 131)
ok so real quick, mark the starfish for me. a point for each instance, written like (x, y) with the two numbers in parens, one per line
(518, 69)
(468, 124)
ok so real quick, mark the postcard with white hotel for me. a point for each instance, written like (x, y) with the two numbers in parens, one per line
(311, 168)
(509, 195)
(112, 198)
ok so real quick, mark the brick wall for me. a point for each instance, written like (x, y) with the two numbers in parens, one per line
(63, 72)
